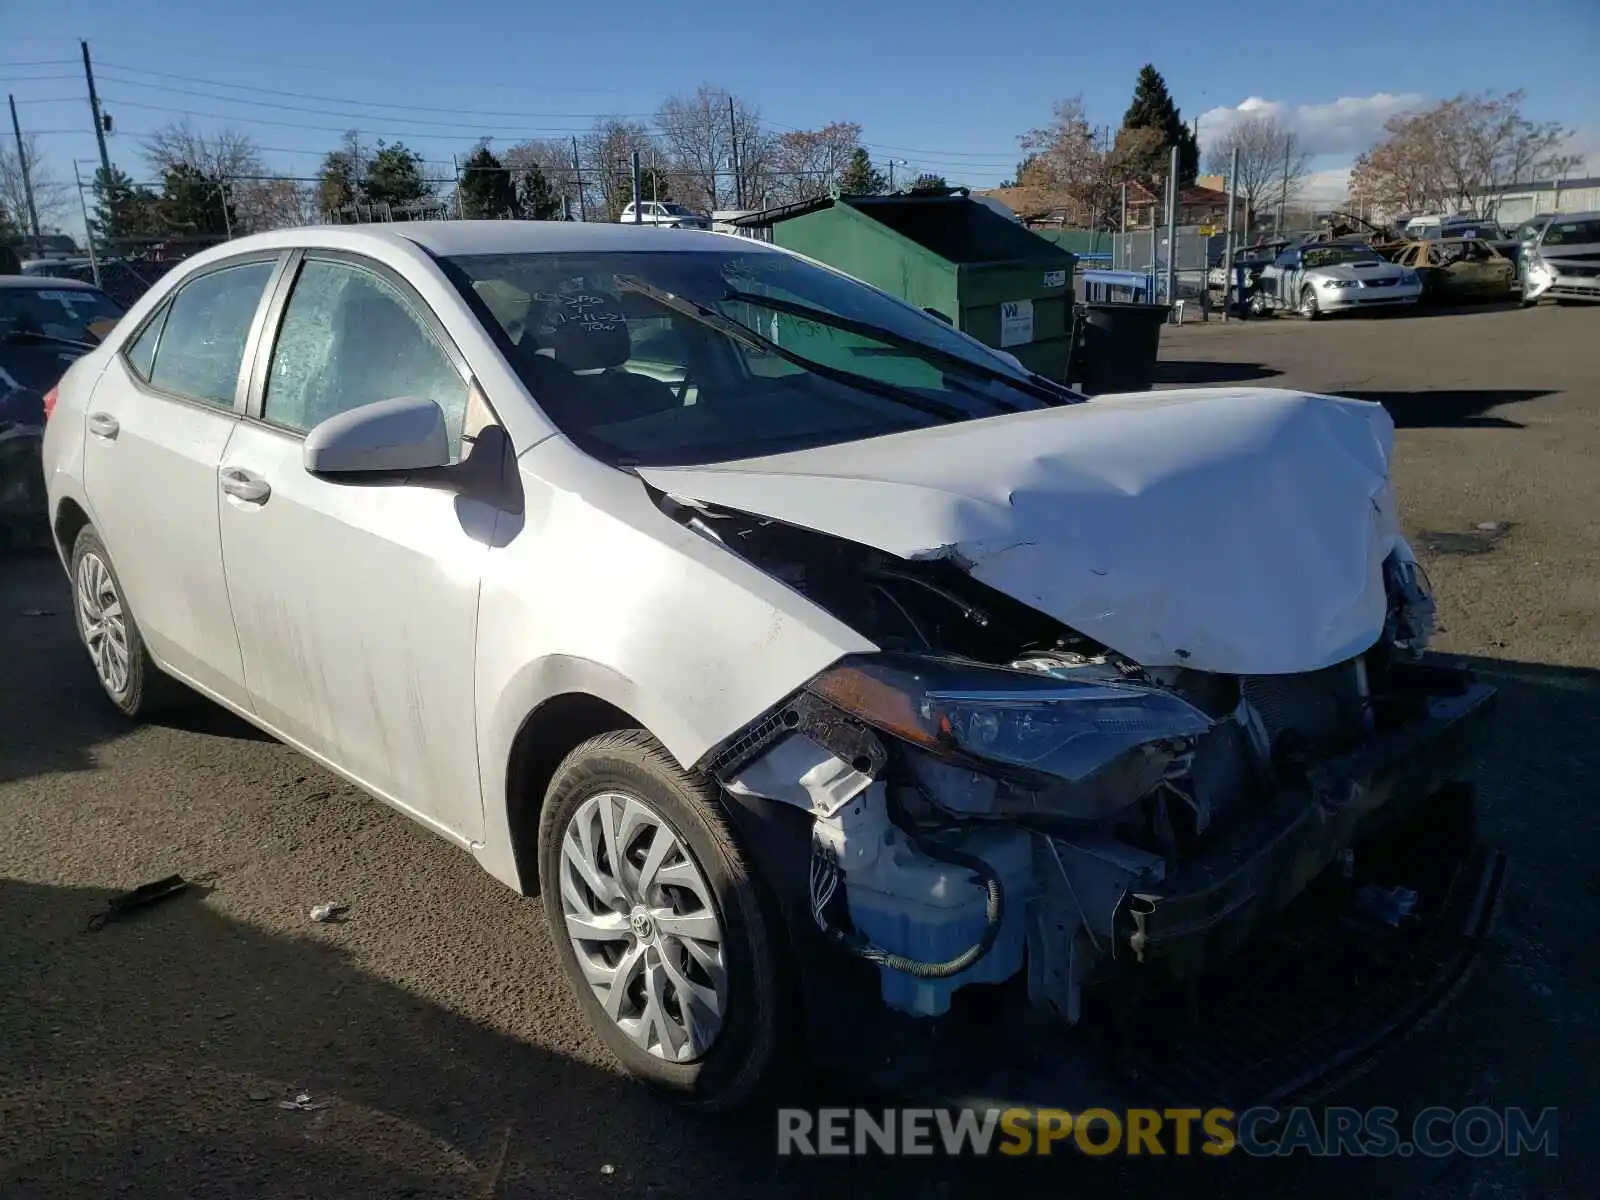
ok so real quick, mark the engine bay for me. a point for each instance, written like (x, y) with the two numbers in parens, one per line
(946, 870)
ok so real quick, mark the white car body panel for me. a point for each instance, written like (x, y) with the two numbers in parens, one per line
(1239, 530)
(356, 613)
(154, 484)
(593, 589)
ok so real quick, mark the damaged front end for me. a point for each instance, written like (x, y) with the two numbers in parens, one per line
(995, 807)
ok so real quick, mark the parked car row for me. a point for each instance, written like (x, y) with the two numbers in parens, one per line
(1555, 255)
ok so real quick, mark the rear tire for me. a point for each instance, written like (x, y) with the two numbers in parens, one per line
(106, 627)
(684, 978)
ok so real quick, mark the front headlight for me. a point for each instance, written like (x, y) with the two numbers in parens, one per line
(1042, 724)
(1337, 283)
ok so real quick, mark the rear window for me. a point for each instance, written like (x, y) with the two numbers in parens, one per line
(63, 314)
(1572, 233)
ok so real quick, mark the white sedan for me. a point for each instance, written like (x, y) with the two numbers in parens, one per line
(813, 660)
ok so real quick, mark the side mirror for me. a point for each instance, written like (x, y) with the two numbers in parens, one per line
(403, 434)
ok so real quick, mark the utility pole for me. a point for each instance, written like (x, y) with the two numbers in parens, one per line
(227, 221)
(638, 216)
(1155, 258)
(1283, 196)
(1120, 246)
(1227, 250)
(27, 177)
(88, 229)
(733, 152)
(99, 117)
(455, 162)
(577, 171)
(1172, 231)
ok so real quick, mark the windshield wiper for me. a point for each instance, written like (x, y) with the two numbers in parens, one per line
(1044, 389)
(747, 337)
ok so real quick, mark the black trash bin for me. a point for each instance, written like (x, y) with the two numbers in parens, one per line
(1117, 346)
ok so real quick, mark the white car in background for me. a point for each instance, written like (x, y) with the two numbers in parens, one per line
(816, 663)
(663, 213)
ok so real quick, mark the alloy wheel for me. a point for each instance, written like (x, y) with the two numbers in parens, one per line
(644, 926)
(103, 623)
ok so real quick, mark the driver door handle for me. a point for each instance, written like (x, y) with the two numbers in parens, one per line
(104, 425)
(242, 485)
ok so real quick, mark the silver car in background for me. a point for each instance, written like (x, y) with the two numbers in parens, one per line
(1333, 277)
(1562, 260)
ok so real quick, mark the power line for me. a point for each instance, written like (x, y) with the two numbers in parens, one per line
(354, 122)
(466, 112)
(391, 119)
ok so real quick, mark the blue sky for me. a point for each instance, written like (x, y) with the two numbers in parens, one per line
(945, 85)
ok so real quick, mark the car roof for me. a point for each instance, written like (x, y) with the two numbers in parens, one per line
(45, 282)
(448, 239)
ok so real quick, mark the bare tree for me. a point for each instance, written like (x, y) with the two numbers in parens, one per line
(1075, 166)
(607, 163)
(52, 199)
(1273, 164)
(223, 154)
(553, 157)
(263, 204)
(808, 163)
(706, 143)
(1462, 154)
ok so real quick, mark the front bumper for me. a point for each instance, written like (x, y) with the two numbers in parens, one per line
(1198, 961)
(1347, 299)
(1212, 905)
(1573, 283)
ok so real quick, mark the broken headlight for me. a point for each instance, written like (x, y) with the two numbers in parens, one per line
(1040, 724)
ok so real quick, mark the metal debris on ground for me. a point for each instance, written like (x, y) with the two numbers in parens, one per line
(608, 1169)
(145, 894)
(324, 913)
(1389, 905)
(303, 1103)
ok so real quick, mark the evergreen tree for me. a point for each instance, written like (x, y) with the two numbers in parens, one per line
(537, 200)
(487, 190)
(1153, 109)
(860, 177)
(928, 183)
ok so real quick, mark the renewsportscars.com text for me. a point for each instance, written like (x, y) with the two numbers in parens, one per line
(1332, 1132)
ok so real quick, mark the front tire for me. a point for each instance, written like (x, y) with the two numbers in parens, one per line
(667, 937)
(127, 674)
(1309, 308)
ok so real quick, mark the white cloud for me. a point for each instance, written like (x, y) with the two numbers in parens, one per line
(1345, 126)
(1325, 187)
(1585, 142)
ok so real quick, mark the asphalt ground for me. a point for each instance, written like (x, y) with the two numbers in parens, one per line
(435, 1038)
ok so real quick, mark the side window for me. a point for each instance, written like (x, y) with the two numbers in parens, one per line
(141, 353)
(347, 339)
(199, 349)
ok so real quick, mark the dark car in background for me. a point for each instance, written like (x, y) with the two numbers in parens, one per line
(45, 326)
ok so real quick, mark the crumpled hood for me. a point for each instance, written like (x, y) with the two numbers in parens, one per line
(1239, 530)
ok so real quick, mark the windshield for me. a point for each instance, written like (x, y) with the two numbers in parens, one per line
(1334, 256)
(678, 358)
(59, 314)
(1572, 233)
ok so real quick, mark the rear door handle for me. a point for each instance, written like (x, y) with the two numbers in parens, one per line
(242, 485)
(104, 425)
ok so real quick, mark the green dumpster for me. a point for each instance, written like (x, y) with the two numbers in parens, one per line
(986, 275)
